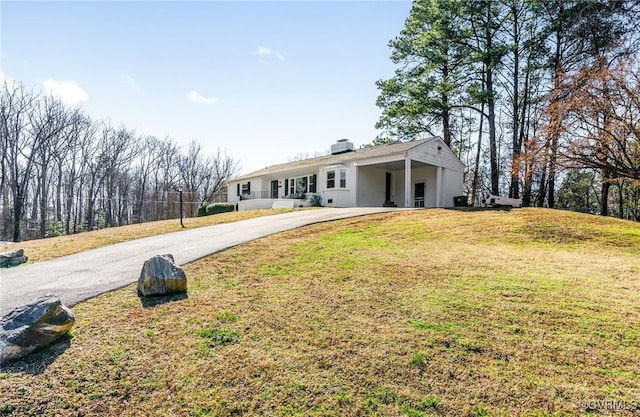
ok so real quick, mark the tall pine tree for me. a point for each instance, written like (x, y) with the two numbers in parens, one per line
(418, 100)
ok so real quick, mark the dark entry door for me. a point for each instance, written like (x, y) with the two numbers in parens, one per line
(274, 189)
(419, 195)
(387, 187)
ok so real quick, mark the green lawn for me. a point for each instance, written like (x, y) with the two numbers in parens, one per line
(425, 313)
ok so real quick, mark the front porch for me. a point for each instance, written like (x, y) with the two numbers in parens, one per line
(400, 183)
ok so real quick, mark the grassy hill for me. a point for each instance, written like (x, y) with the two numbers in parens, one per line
(424, 313)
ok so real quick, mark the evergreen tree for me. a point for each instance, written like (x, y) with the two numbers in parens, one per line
(418, 100)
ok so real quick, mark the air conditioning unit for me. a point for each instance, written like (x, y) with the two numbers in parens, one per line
(342, 146)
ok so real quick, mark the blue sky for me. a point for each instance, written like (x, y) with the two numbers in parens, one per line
(263, 80)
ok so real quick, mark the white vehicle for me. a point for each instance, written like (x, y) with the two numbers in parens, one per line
(497, 201)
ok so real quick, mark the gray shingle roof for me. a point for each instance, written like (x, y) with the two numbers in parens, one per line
(358, 154)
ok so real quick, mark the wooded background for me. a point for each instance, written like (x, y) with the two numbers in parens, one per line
(539, 98)
(64, 173)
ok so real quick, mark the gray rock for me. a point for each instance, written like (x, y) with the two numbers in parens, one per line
(33, 326)
(12, 258)
(160, 275)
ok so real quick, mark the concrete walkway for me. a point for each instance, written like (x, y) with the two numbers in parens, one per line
(78, 277)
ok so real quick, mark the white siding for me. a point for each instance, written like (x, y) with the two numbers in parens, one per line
(428, 176)
(232, 193)
(371, 185)
(338, 197)
(398, 187)
(429, 154)
(257, 185)
(451, 186)
(267, 203)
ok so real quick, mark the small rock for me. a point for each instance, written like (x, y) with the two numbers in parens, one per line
(33, 326)
(160, 275)
(12, 258)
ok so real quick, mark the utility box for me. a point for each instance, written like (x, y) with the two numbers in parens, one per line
(460, 201)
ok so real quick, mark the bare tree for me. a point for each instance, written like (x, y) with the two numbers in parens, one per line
(59, 165)
(48, 120)
(149, 156)
(604, 111)
(166, 176)
(193, 168)
(110, 154)
(222, 168)
(80, 135)
(20, 146)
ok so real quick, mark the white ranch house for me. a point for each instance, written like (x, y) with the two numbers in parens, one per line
(421, 173)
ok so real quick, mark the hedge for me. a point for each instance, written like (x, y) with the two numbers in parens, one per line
(216, 208)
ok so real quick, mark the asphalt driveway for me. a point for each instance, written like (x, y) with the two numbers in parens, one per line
(78, 277)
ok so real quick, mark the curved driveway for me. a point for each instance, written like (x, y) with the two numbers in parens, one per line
(78, 277)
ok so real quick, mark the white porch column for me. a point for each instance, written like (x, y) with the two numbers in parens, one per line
(439, 187)
(407, 182)
(354, 191)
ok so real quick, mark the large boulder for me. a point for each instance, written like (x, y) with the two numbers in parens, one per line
(160, 275)
(33, 326)
(12, 258)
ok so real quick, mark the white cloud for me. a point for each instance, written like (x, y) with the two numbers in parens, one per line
(266, 52)
(68, 91)
(133, 84)
(197, 98)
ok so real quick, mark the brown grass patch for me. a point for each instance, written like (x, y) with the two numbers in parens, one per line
(414, 313)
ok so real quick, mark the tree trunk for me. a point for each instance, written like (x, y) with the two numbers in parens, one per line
(446, 122)
(604, 194)
(77, 220)
(554, 119)
(59, 196)
(91, 202)
(521, 139)
(621, 198)
(493, 152)
(18, 205)
(476, 174)
(542, 192)
(69, 204)
(514, 187)
(43, 200)
(551, 182)
(489, 65)
(6, 215)
(36, 202)
(526, 194)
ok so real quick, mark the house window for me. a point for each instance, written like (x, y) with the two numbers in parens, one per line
(246, 188)
(238, 190)
(343, 178)
(312, 183)
(331, 179)
(301, 185)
